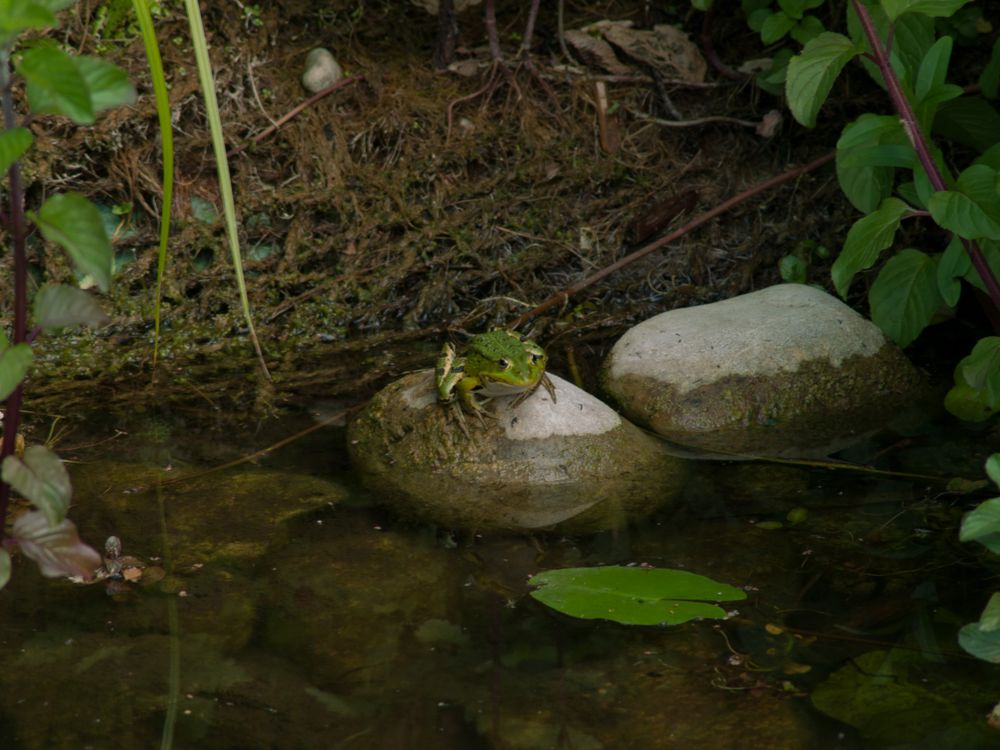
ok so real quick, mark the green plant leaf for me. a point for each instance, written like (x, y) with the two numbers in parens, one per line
(58, 305)
(807, 29)
(757, 16)
(983, 644)
(74, 223)
(982, 524)
(865, 241)
(931, 88)
(991, 251)
(990, 157)
(812, 73)
(989, 79)
(702, 5)
(633, 596)
(13, 143)
(993, 469)
(969, 120)
(4, 566)
(775, 27)
(866, 184)
(108, 84)
(57, 550)
(905, 295)
(55, 85)
(41, 478)
(967, 403)
(959, 213)
(976, 393)
(792, 8)
(14, 363)
(934, 8)
(20, 15)
(981, 369)
(955, 264)
(934, 67)
(793, 270)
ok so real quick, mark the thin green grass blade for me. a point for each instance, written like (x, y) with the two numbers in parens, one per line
(206, 79)
(167, 140)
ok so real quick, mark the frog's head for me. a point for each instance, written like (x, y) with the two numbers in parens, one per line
(504, 359)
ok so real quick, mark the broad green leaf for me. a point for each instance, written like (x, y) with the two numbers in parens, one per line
(931, 89)
(812, 73)
(4, 567)
(73, 222)
(807, 29)
(934, 67)
(792, 8)
(967, 403)
(905, 295)
(41, 478)
(976, 393)
(865, 184)
(14, 363)
(775, 27)
(702, 5)
(58, 305)
(993, 468)
(793, 270)
(887, 155)
(989, 79)
(757, 17)
(979, 182)
(20, 15)
(934, 8)
(13, 143)
(108, 84)
(55, 85)
(968, 120)
(865, 242)
(57, 550)
(981, 643)
(990, 618)
(633, 596)
(958, 213)
(955, 264)
(981, 369)
(982, 524)
(990, 157)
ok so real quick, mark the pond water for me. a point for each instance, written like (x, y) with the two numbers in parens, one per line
(285, 607)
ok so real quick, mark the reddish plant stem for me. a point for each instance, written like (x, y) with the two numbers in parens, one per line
(565, 294)
(916, 136)
(12, 417)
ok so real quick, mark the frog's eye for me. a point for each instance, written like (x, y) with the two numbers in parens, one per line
(534, 359)
(503, 363)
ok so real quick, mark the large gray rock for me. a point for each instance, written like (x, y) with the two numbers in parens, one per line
(788, 370)
(575, 465)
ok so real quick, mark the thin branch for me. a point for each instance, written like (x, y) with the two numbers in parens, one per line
(565, 294)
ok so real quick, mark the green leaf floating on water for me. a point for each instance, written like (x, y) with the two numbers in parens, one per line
(633, 596)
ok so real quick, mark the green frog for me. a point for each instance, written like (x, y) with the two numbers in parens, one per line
(498, 363)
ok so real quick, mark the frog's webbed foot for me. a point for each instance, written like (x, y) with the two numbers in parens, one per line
(549, 387)
(457, 414)
(544, 381)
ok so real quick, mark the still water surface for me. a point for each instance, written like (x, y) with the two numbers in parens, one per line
(284, 607)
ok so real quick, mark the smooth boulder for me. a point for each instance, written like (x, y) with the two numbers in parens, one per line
(573, 466)
(787, 370)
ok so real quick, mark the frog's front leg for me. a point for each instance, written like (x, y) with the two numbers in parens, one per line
(467, 394)
(448, 373)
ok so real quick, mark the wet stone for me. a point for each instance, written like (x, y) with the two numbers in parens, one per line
(787, 370)
(573, 465)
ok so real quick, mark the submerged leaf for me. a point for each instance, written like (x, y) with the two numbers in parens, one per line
(58, 305)
(633, 596)
(42, 479)
(57, 550)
